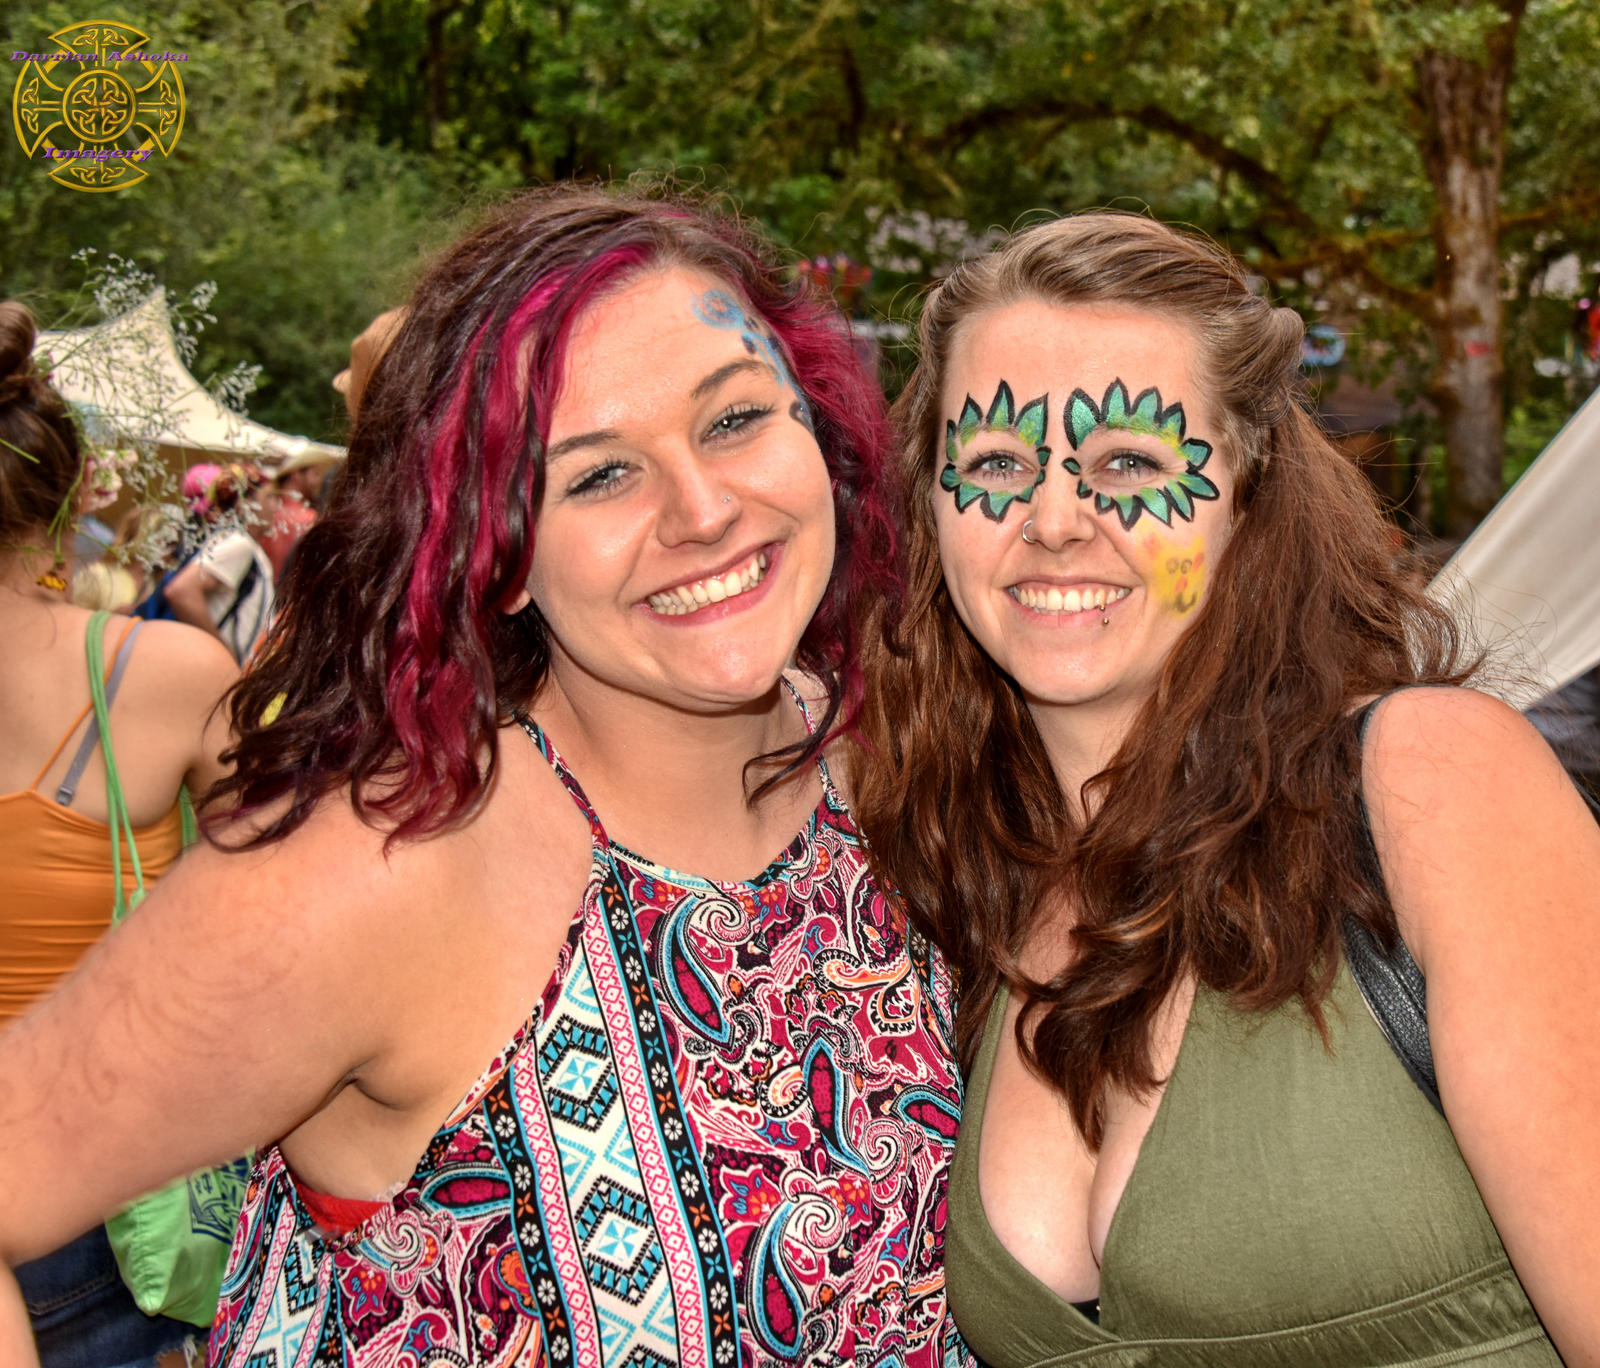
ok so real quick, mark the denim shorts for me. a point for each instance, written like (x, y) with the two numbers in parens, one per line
(84, 1317)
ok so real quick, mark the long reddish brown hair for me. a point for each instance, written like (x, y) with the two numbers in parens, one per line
(1224, 837)
(395, 661)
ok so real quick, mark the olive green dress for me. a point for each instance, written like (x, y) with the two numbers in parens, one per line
(1289, 1207)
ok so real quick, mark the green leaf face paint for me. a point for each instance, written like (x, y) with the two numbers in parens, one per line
(1145, 415)
(721, 310)
(1027, 425)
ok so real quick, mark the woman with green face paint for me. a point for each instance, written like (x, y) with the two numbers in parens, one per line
(1166, 731)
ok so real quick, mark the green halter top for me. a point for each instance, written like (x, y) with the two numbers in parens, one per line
(1289, 1207)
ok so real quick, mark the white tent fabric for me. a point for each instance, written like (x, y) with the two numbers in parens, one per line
(1526, 583)
(127, 376)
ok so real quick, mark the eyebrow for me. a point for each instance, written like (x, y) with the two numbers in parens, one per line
(600, 436)
(723, 372)
(567, 445)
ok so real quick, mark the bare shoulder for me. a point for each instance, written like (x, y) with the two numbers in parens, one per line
(1471, 810)
(179, 673)
(333, 871)
(1446, 748)
(175, 680)
(184, 653)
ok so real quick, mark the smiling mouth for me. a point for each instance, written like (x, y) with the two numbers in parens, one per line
(1064, 601)
(702, 593)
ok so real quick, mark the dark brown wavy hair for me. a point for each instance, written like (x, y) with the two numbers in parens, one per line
(394, 660)
(40, 460)
(1224, 838)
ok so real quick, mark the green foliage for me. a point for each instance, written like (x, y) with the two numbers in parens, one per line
(306, 232)
(330, 145)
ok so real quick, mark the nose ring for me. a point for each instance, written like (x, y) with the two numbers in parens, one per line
(1032, 541)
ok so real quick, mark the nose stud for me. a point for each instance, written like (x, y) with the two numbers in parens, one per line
(727, 498)
(1032, 541)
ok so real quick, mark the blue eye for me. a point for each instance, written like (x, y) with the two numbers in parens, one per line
(597, 481)
(1131, 464)
(995, 466)
(736, 417)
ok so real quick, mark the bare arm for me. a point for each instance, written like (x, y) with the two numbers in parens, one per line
(16, 1337)
(1493, 864)
(239, 1000)
(187, 594)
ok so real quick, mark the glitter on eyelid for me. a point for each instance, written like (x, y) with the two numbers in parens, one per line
(1027, 425)
(1144, 415)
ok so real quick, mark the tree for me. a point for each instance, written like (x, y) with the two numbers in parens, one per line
(1357, 148)
(306, 230)
(1411, 164)
(1355, 153)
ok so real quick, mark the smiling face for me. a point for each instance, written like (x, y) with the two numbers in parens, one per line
(1126, 500)
(687, 529)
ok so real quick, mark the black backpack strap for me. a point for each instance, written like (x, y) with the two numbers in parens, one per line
(243, 591)
(1391, 982)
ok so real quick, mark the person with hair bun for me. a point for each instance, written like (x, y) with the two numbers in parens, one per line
(1167, 752)
(579, 617)
(59, 775)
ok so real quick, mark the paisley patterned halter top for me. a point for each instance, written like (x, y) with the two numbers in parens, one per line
(721, 1138)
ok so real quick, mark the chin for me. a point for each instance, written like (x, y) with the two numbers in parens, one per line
(732, 684)
(1067, 688)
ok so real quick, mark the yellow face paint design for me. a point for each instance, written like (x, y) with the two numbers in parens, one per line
(1176, 572)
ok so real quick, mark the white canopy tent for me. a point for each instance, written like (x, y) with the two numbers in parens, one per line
(1527, 581)
(127, 377)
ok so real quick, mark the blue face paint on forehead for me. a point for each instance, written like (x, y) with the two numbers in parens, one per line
(721, 310)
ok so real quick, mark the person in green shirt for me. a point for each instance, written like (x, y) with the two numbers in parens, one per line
(1163, 726)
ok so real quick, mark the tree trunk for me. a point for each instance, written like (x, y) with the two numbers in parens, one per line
(1463, 104)
(436, 63)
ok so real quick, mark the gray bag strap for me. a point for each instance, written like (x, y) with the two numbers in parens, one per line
(1390, 980)
(69, 784)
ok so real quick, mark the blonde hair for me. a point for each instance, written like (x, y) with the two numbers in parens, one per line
(104, 586)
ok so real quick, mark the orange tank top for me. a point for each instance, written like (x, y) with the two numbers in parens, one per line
(56, 891)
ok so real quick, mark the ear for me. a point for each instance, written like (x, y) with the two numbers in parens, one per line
(517, 604)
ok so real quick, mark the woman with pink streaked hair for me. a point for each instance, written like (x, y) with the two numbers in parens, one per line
(580, 616)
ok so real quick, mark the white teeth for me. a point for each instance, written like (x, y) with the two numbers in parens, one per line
(1064, 601)
(689, 598)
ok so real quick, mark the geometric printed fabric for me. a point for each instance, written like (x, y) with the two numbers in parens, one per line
(722, 1138)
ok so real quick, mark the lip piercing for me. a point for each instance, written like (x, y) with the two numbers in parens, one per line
(1105, 622)
(1032, 541)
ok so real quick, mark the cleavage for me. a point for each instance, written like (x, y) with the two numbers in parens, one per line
(1049, 1200)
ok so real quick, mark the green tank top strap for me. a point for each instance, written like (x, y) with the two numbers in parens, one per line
(117, 817)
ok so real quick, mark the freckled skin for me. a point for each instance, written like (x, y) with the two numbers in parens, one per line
(1177, 571)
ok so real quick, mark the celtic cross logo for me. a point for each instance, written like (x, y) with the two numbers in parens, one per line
(98, 107)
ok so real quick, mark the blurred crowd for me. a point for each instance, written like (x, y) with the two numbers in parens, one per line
(216, 562)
